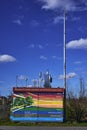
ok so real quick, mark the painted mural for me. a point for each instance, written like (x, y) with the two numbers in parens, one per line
(37, 106)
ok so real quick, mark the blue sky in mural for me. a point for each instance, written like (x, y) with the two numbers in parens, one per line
(31, 41)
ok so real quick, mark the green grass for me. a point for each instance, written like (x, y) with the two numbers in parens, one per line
(41, 108)
(10, 123)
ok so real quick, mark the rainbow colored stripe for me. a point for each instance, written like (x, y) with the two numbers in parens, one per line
(45, 107)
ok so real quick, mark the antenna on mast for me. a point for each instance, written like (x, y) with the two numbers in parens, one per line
(26, 79)
(40, 79)
(16, 80)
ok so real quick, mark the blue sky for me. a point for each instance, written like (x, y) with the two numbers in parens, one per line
(31, 41)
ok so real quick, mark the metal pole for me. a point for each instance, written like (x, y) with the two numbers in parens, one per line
(64, 50)
(64, 65)
(16, 80)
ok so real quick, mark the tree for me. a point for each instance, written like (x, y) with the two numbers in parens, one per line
(23, 101)
(29, 100)
(0, 102)
(77, 105)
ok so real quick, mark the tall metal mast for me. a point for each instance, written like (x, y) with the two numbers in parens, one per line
(65, 49)
(64, 65)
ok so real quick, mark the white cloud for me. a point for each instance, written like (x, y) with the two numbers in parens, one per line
(43, 57)
(79, 69)
(47, 45)
(22, 77)
(55, 4)
(7, 58)
(50, 4)
(58, 19)
(36, 46)
(69, 75)
(77, 62)
(56, 58)
(40, 46)
(29, 85)
(17, 21)
(77, 44)
(34, 23)
(75, 18)
(84, 72)
(64, 4)
(32, 46)
(1, 82)
(20, 7)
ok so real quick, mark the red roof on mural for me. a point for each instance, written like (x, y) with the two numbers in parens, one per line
(33, 89)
